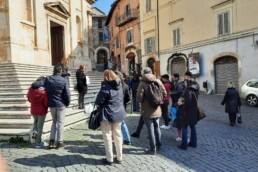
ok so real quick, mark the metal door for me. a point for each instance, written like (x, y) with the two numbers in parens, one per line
(226, 69)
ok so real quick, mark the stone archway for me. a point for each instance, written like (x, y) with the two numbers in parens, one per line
(131, 63)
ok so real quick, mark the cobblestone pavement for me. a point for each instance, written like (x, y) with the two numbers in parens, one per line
(221, 147)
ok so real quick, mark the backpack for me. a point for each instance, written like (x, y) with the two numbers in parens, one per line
(154, 94)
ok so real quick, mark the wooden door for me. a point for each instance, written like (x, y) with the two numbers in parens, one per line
(57, 44)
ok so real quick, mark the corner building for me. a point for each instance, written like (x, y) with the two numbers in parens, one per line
(217, 39)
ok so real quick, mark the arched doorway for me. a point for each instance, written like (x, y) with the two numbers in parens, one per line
(225, 70)
(178, 65)
(151, 63)
(131, 63)
(101, 60)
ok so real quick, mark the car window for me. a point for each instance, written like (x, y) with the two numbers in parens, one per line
(252, 84)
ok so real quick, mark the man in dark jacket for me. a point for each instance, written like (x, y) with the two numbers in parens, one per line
(58, 99)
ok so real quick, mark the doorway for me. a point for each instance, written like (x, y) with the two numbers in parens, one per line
(57, 42)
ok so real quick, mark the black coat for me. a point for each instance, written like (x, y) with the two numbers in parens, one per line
(81, 81)
(110, 101)
(232, 101)
(190, 106)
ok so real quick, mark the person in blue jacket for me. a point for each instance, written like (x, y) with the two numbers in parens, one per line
(109, 102)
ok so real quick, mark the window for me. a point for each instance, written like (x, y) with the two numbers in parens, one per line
(100, 23)
(117, 42)
(223, 23)
(177, 37)
(128, 9)
(148, 5)
(101, 37)
(149, 45)
(129, 36)
(252, 84)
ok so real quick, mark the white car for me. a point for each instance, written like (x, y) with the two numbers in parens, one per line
(249, 92)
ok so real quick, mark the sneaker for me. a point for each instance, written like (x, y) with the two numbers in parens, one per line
(150, 151)
(165, 127)
(136, 135)
(181, 147)
(178, 139)
(106, 162)
(34, 135)
(117, 161)
(51, 144)
(126, 142)
(60, 145)
(38, 145)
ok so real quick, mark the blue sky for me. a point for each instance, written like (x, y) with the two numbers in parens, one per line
(103, 5)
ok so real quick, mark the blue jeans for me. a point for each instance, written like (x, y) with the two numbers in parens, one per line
(193, 138)
(154, 132)
(136, 105)
(125, 132)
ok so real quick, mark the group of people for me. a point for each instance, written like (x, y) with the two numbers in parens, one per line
(53, 92)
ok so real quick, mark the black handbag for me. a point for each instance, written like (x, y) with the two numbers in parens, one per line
(239, 117)
(200, 112)
(94, 121)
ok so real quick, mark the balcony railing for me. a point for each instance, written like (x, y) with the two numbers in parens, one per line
(127, 17)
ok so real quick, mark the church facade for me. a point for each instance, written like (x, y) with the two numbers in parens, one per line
(42, 32)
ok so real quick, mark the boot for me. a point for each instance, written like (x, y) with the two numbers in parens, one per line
(51, 144)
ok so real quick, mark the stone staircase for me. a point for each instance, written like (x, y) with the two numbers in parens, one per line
(15, 117)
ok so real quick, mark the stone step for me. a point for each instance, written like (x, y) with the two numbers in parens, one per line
(7, 133)
(15, 125)
(15, 107)
(13, 100)
(15, 115)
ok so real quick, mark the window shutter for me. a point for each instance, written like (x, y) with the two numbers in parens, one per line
(178, 37)
(153, 44)
(220, 24)
(145, 46)
(226, 23)
(174, 37)
(132, 36)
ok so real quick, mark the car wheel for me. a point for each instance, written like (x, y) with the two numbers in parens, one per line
(252, 100)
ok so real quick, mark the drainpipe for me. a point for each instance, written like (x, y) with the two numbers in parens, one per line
(158, 25)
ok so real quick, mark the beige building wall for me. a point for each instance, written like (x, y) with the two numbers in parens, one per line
(30, 30)
(198, 23)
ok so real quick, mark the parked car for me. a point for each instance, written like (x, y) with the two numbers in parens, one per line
(249, 92)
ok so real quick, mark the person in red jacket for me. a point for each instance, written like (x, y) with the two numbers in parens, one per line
(39, 107)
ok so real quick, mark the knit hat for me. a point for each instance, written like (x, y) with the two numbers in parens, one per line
(147, 70)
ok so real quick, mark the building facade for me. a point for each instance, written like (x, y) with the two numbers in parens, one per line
(100, 40)
(124, 26)
(217, 40)
(43, 32)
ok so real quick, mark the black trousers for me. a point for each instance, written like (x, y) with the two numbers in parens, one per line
(232, 118)
(164, 110)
